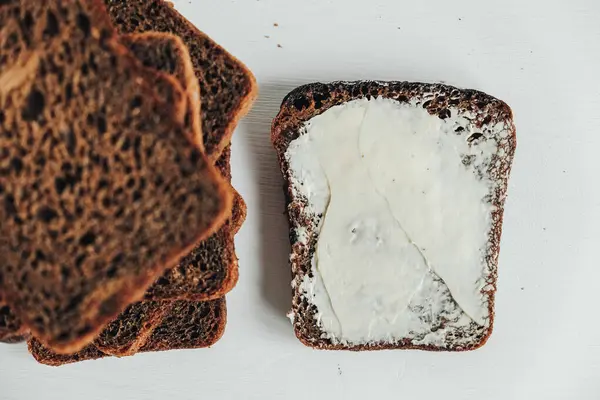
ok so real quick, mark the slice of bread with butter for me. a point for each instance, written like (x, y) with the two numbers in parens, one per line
(395, 196)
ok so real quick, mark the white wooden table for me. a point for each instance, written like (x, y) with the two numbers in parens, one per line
(540, 56)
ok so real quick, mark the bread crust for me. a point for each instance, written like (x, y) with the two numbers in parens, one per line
(310, 100)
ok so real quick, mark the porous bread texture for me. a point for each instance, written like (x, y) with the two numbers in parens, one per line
(103, 189)
(11, 328)
(45, 355)
(125, 335)
(167, 53)
(308, 101)
(210, 270)
(227, 87)
(187, 325)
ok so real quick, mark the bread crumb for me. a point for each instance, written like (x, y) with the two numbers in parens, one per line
(275, 24)
(280, 46)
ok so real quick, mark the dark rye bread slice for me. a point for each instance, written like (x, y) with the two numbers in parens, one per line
(310, 100)
(188, 325)
(167, 53)
(227, 87)
(102, 188)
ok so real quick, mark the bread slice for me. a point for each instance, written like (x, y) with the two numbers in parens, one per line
(104, 190)
(187, 325)
(433, 319)
(227, 87)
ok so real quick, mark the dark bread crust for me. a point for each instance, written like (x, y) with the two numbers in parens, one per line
(56, 51)
(45, 355)
(187, 325)
(307, 101)
(239, 213)
(227, 87)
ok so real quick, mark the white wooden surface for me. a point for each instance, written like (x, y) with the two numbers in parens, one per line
(540, 56)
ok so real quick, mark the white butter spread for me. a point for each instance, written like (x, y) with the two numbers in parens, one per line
(403, 219)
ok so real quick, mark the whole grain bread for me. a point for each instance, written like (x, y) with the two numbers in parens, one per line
(187, 325)
(308, 101)
(227, 87)
(103, 189)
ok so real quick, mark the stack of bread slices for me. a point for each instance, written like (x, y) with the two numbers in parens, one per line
(116, 207)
